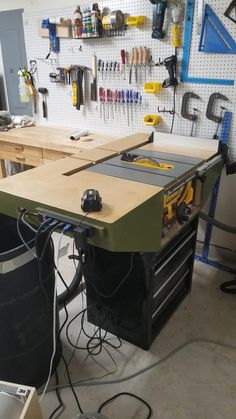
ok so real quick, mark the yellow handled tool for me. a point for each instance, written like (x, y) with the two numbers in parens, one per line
(74, 93)
(175, 13)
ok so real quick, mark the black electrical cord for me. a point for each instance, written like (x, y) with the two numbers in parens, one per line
(59, 333)
(71, 384)
(117, 287)
(99, 340)
(130, 395)
(174, 98)
(174, 110)
(229, 287)
(61, 404)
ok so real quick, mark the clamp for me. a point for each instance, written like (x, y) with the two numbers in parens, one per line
(184, 109)
(209, 113)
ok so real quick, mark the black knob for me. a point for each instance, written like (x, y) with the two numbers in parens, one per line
(182, 213)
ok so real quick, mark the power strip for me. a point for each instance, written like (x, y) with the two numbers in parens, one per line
(92, 416)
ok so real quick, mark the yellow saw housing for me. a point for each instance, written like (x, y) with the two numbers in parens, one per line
(171, 202)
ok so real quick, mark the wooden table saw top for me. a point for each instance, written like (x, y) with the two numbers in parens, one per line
(61, 184)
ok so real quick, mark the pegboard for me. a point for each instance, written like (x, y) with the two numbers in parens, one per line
(74, 51)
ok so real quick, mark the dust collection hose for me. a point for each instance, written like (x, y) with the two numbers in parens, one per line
(229, 286)
(217, 223)
(73, 289)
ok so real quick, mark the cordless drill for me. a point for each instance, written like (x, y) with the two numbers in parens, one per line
(170, 64)
(158, 18)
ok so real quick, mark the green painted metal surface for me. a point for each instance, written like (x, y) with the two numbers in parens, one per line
(139, 230)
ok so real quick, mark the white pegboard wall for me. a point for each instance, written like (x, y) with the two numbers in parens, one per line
(59, 101)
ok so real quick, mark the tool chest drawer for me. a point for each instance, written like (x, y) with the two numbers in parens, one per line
(173, 260)
(21, 158)
(154, 288)
(20, 149)
(164, 286)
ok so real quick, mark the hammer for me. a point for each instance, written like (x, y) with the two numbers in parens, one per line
(44, 92)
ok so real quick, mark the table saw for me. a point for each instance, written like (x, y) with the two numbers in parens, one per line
(152, 190)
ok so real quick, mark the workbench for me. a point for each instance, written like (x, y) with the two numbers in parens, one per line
(37, 145)
(152, 190)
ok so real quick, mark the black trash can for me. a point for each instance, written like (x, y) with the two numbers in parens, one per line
(26, 307)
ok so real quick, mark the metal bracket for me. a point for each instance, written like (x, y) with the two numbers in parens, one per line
(164, 110)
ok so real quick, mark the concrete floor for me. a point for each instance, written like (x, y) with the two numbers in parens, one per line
(196, 383)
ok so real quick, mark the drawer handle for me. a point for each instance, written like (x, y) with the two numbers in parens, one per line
(20, 158)
(19, 148)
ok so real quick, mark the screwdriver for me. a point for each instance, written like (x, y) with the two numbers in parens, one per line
(116, 99)
(145, 60)
(123, 56)
(140, 100)
(99, 66)
(123, 100)
(127, 104)
(131, 65)
(140, 60)
(107, 68)
(102, 102)
(131, 99)
(110, 69)
(136, 97)
(115, 68)
(118, 70)
(111, 103)
(102, 68)
(108, 103)
(135, 60)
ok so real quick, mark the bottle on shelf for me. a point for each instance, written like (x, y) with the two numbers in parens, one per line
(77, 23)
(94, 20)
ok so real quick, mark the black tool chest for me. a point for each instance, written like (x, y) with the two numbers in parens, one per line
(152, 291)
